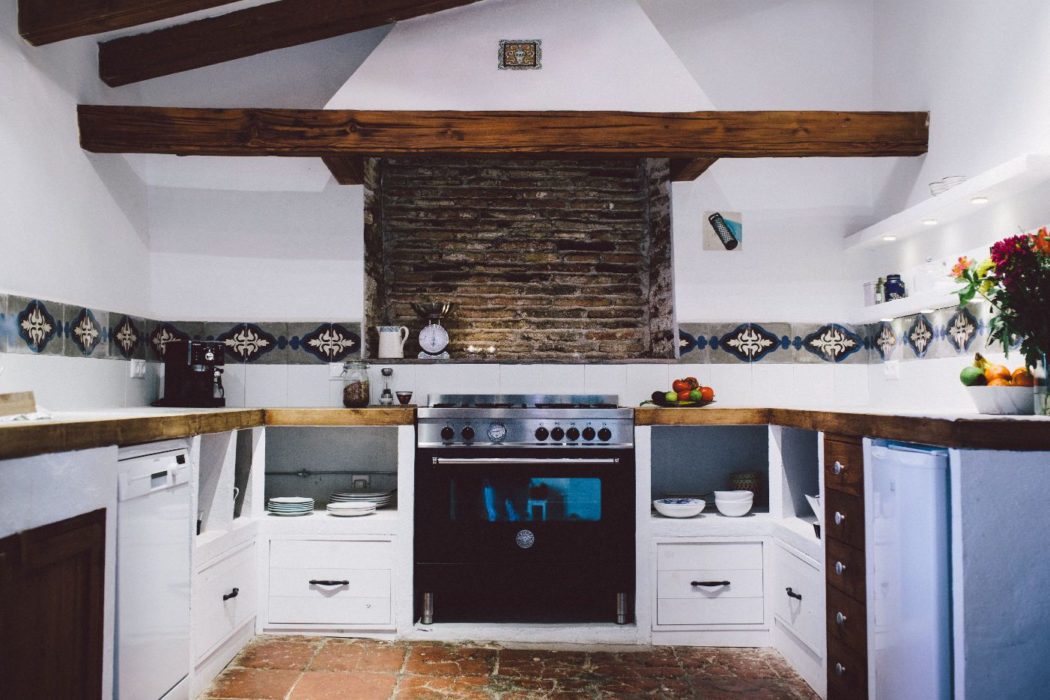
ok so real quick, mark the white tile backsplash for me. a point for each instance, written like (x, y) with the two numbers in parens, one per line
(772, 384)
(233, 383)
(605, 379)
(307, 385)
(265, 385)
(541, 379)
(813, 386)
(732, 384)
(643, 380)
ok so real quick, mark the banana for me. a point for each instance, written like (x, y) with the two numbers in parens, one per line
(980, 362)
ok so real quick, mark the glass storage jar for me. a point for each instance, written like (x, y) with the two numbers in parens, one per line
(356, 391)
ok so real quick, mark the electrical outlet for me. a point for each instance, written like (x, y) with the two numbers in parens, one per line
(360, 482)
(891, 370)
(335, 370)
(137, 369)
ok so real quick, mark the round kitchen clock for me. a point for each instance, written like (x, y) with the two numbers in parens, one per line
(433, 339)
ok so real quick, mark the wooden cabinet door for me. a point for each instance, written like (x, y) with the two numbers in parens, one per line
(51, 606)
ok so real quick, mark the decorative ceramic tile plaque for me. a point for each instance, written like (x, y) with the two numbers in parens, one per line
(519, 54)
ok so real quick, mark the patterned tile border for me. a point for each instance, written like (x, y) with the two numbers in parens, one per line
(36, 326)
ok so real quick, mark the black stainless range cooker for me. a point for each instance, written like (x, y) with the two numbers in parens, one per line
(524, 509)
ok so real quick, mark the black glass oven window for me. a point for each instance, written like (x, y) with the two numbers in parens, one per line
(504, 499)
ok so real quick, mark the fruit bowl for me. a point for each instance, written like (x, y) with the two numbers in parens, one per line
(664, 403)
(1003, 400)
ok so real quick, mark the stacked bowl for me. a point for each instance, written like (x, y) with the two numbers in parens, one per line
(734, 503)
(679, 507)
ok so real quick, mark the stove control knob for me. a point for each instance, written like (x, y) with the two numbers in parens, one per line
(588, 433)
(467, 433)
(605, 435)
(541, 433)
(447, 433)
(572, 434)
(557, 434)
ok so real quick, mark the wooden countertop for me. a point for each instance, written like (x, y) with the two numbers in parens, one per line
(79, 431)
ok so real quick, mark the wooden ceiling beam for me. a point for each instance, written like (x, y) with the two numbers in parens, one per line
(47, 21)
(254, 30)
(675, 135)
(683, 170)
(347, 170)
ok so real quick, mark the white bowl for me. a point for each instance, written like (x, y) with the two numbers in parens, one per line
(679, 507)
(818, 509)
(739, 495)
(733, 508)
(1003, 400)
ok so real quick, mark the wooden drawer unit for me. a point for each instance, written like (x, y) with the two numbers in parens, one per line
(331, 582)
(223, 600)
(844, 518)
(844, 465)
(798, 597)
(710, 584)
(847, 673)
(845, 569)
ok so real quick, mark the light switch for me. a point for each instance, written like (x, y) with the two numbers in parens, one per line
(137, 369)
(891, 370)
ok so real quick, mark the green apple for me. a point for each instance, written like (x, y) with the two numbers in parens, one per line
(671, 397)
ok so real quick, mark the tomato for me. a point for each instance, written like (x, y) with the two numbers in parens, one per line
(680, 385)
(693, 383)
(708, 393)
(684, 395)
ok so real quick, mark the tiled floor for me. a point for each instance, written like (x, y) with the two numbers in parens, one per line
(315, 668)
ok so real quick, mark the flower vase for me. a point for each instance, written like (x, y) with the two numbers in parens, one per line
(1042, 388)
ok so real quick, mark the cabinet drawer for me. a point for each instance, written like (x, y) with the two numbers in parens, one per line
(333, 554)
(743, 583)
(709, 611)
(846, 457)
(803, 611)
(223, 600)
(708, 556)
(844, 518)
(846, 569)
(851, 631)
(847, 673)
(329, 610)
(360, 583)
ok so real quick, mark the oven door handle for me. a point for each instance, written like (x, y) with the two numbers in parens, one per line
(568, 461)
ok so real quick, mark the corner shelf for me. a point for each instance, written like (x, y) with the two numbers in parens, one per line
(906, 306)
(997, 184)
(383, 522)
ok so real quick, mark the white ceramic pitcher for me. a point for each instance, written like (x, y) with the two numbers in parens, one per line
(392, 341)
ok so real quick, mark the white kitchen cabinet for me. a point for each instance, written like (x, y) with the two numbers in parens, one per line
(798, 596)
(224, 599)
(709, 583)
(332, 583)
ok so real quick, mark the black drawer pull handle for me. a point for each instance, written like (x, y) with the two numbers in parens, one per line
(792, 594)
(709, 583)
(231, 594)
(316, 582)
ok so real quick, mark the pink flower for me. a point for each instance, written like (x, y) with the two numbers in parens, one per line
(961, 267)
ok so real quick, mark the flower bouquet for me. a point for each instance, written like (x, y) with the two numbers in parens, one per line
(1015, 280)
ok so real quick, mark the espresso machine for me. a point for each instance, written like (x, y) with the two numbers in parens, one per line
(193, 374)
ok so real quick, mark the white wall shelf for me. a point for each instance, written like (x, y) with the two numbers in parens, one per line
(997, 184)
(906, 306)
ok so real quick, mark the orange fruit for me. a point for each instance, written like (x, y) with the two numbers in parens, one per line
(1022, 377)
(996, 372)
(1000, 381)
(707, 393)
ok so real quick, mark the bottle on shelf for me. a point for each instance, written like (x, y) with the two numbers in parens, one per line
(880, 291)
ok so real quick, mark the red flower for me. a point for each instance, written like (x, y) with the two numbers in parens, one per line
(1041, 241)
(961, 267)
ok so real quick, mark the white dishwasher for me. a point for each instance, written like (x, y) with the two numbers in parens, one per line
(154, 536)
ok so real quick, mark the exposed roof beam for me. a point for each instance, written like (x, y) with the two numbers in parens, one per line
(676, 135)
(254, 30)
(47, 21)
(683, 170)
(347, 170)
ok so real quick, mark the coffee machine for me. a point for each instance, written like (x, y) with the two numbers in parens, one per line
(193, 374)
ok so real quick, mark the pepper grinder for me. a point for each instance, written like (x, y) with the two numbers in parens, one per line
(386, 398)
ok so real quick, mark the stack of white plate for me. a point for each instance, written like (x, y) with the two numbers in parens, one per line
(379, 498)
(290, 505)
(350, 510)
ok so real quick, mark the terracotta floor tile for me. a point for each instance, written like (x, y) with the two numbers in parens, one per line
(277, 654)
(255, 683)
(444, 687)
(358, 655)
(531, 663)
(450, 660)
(323, 685)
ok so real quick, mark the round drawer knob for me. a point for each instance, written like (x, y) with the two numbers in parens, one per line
(838, 467)
(839, 518)
(840, 568)
(839, 669)
(840, 619)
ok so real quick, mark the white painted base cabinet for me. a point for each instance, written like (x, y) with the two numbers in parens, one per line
(799, 631)
(704, 584)
(224, 599)
(331, 583)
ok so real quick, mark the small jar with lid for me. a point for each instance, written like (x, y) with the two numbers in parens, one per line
(356, 390)
(895, 288)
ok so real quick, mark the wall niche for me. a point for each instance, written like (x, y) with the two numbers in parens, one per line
(547, 260)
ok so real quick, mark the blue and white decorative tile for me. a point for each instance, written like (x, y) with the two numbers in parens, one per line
(960, 331)
(127, 338)
(87, 333)
(748, 342)
(693, 347)
(250, 342)
(327, 342)
(920, 336)
(5, 331)
(884, 339)
(836, 343)
(161, 336)
(36, 326)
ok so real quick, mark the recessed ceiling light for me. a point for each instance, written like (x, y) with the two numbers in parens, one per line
(889, 239)
(886, 320)
(929, 222)
(978, 200)
(925, 311)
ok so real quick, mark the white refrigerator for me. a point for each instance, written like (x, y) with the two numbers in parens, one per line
(909, 618)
